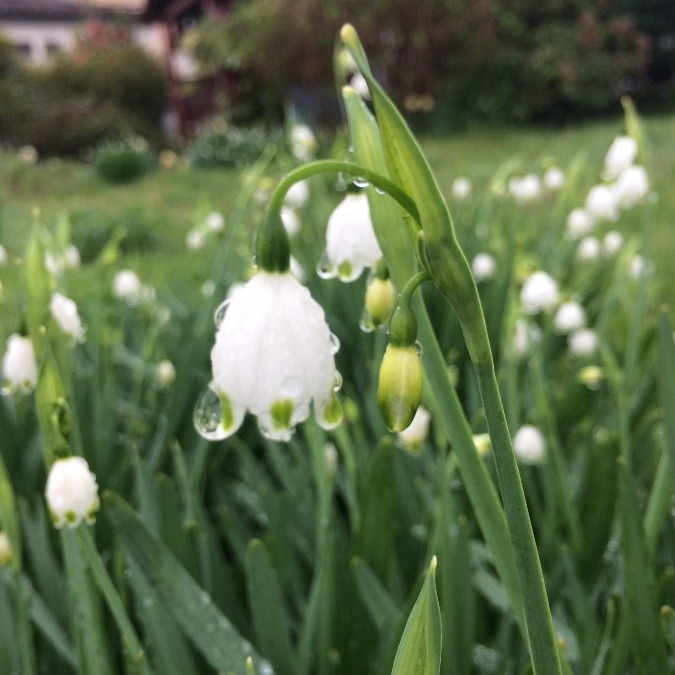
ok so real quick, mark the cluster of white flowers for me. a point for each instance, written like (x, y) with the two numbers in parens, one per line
(351, 244)
(484, 267)
(529, 445)
(64, 311)
(128, 287)
(19, 367)
(211, 224)
(525, 189)
(71, 492)
(461, 189)
(539, 293)
(273, 357)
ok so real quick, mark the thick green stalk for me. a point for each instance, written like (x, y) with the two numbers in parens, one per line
(543, 647)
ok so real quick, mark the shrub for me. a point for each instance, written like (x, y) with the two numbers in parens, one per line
(122, 161)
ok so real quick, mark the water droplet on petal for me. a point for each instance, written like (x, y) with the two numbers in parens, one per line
(418, 348)
(360, 182)
(208, 416)
(325, 268)
(337, 382)
(334, 343)
(219, 314)
(366, 322)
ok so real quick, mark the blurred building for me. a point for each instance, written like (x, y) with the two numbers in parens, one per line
(41, 29)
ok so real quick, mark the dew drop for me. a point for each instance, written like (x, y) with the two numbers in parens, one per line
(127, 574)
(334, 343)
(360, 182)
(337, 382)
(366, 322)
(418, 348)
(325, 268)
(219, 314)
(208, 416)
(380, 191)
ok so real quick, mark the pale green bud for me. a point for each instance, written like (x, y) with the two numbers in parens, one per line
(380, 300)
(399, 389)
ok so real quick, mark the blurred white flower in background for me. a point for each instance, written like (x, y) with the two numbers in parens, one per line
(632, 186)
(303, 142)
(588, 249)
(360, 86)
(525, 189)
(273, 356)
(525, 335)
(71, 492)
(583, 342)
(19, 367)
(529, 445)
(290, 220)
(611, 243)
(165, 373)
(127, 286)
(539, 293)
(72, 256)
(3, 255)
(569, 317)
(638, 267)
(621, 154)
(64, 311)
(27, 154)
(579, 223)
(297, 195)
(461, 188)
(413, 436)
(214, 221)
(195, 239)
(482, 443)
(351, 244)
(484, 267)
(553, 178)
(601, 203)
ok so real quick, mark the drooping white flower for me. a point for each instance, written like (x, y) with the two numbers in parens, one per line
(484, 267)
(621, 154)
(19, 367)
(569, 317)
(127, 286)
(303, 142)
(525, 189)
(601, 203)
(195, 239)
(214, 221)
(611, 243)
(539, 293)
(524, 336)
(64, 311)
(579, 223)
(297, 270)
(290, 220)
(638, 267)
(351, 244)
(529, 445)
(482, 443)
(360, 86)
(553, 178)
(632, 186)
(71, 492)
(588, 249)
(53, 263)
(3, 255)
(414, 435)
(297, 195)
(461, 188)
(273, 356)
(583, 342)
(72, 257)
(165, 373)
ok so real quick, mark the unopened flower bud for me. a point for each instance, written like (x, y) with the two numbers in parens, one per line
(591, 376)
(483, 444)
(380, 299)
(5, 550)
(413, 436)
(72, 492)
(165, 373)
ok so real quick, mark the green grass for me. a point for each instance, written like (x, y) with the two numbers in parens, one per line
(157, 211)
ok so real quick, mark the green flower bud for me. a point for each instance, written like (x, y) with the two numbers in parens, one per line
(380, 300)
(399, 389)
(403, 327)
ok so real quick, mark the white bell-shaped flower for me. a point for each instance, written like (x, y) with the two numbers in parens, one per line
(588, 249)
(19, 367)
(569, 317)
(529, 445)
(632, 186)
(71, 492)
(214, 221)
(461, 188)
(351, 244)
(360, 86)
(290, 220)
(484, 267)
(612, 243)
(539, 293)
(297, 195)
(583, 342)
(127, 286)
(579, 223)
(273, 356)
(620, 155)
(303, 142)
(553, 178)
(525, 189)
(601, 203)
(413, 436)
(525, 335)
(64, 311)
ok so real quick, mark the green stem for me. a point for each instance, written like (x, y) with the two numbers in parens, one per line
(541, 636)
(411, 286)
(334, 166)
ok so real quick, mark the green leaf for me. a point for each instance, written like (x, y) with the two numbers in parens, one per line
(666, 345)
(642, 611)
(210, 631)
(380, 605)
(8, 520)
(267, 607)
(668, 624)
(419, 650)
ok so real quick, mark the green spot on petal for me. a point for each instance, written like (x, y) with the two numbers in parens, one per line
(345, 269)
(71, 518)
(281, 413)
(227, 416)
